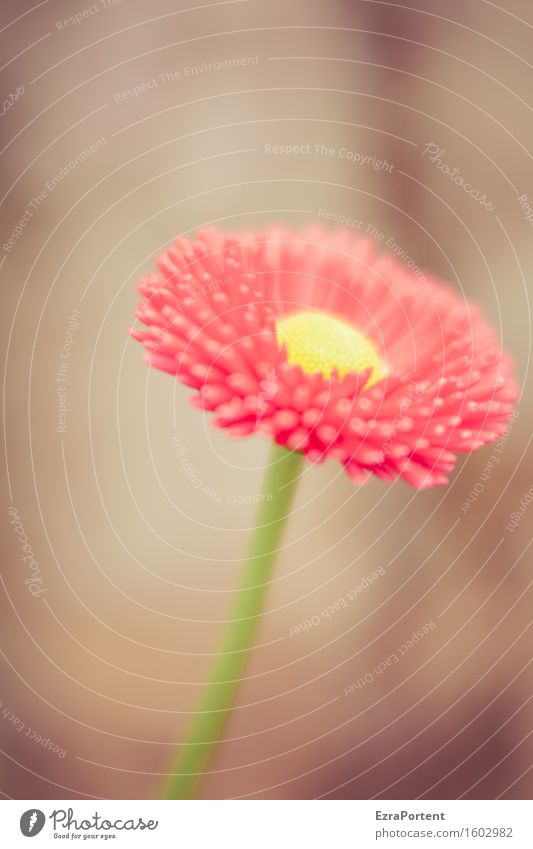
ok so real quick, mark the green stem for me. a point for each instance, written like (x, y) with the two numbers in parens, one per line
(193, 755)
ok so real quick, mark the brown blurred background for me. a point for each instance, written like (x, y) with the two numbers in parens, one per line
(104, 655)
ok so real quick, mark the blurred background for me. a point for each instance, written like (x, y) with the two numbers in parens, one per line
(123, 125)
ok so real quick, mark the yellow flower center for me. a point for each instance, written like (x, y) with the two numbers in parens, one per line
(321, 343)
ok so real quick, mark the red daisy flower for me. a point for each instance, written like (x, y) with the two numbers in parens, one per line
(328, 348)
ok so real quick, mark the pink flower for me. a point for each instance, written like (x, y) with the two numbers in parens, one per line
(329, 349)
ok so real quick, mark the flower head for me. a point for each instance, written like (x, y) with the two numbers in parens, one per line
(328, 348)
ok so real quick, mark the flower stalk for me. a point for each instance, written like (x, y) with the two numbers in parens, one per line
(194, 754)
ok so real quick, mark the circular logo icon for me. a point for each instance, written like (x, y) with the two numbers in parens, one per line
(32, 822)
